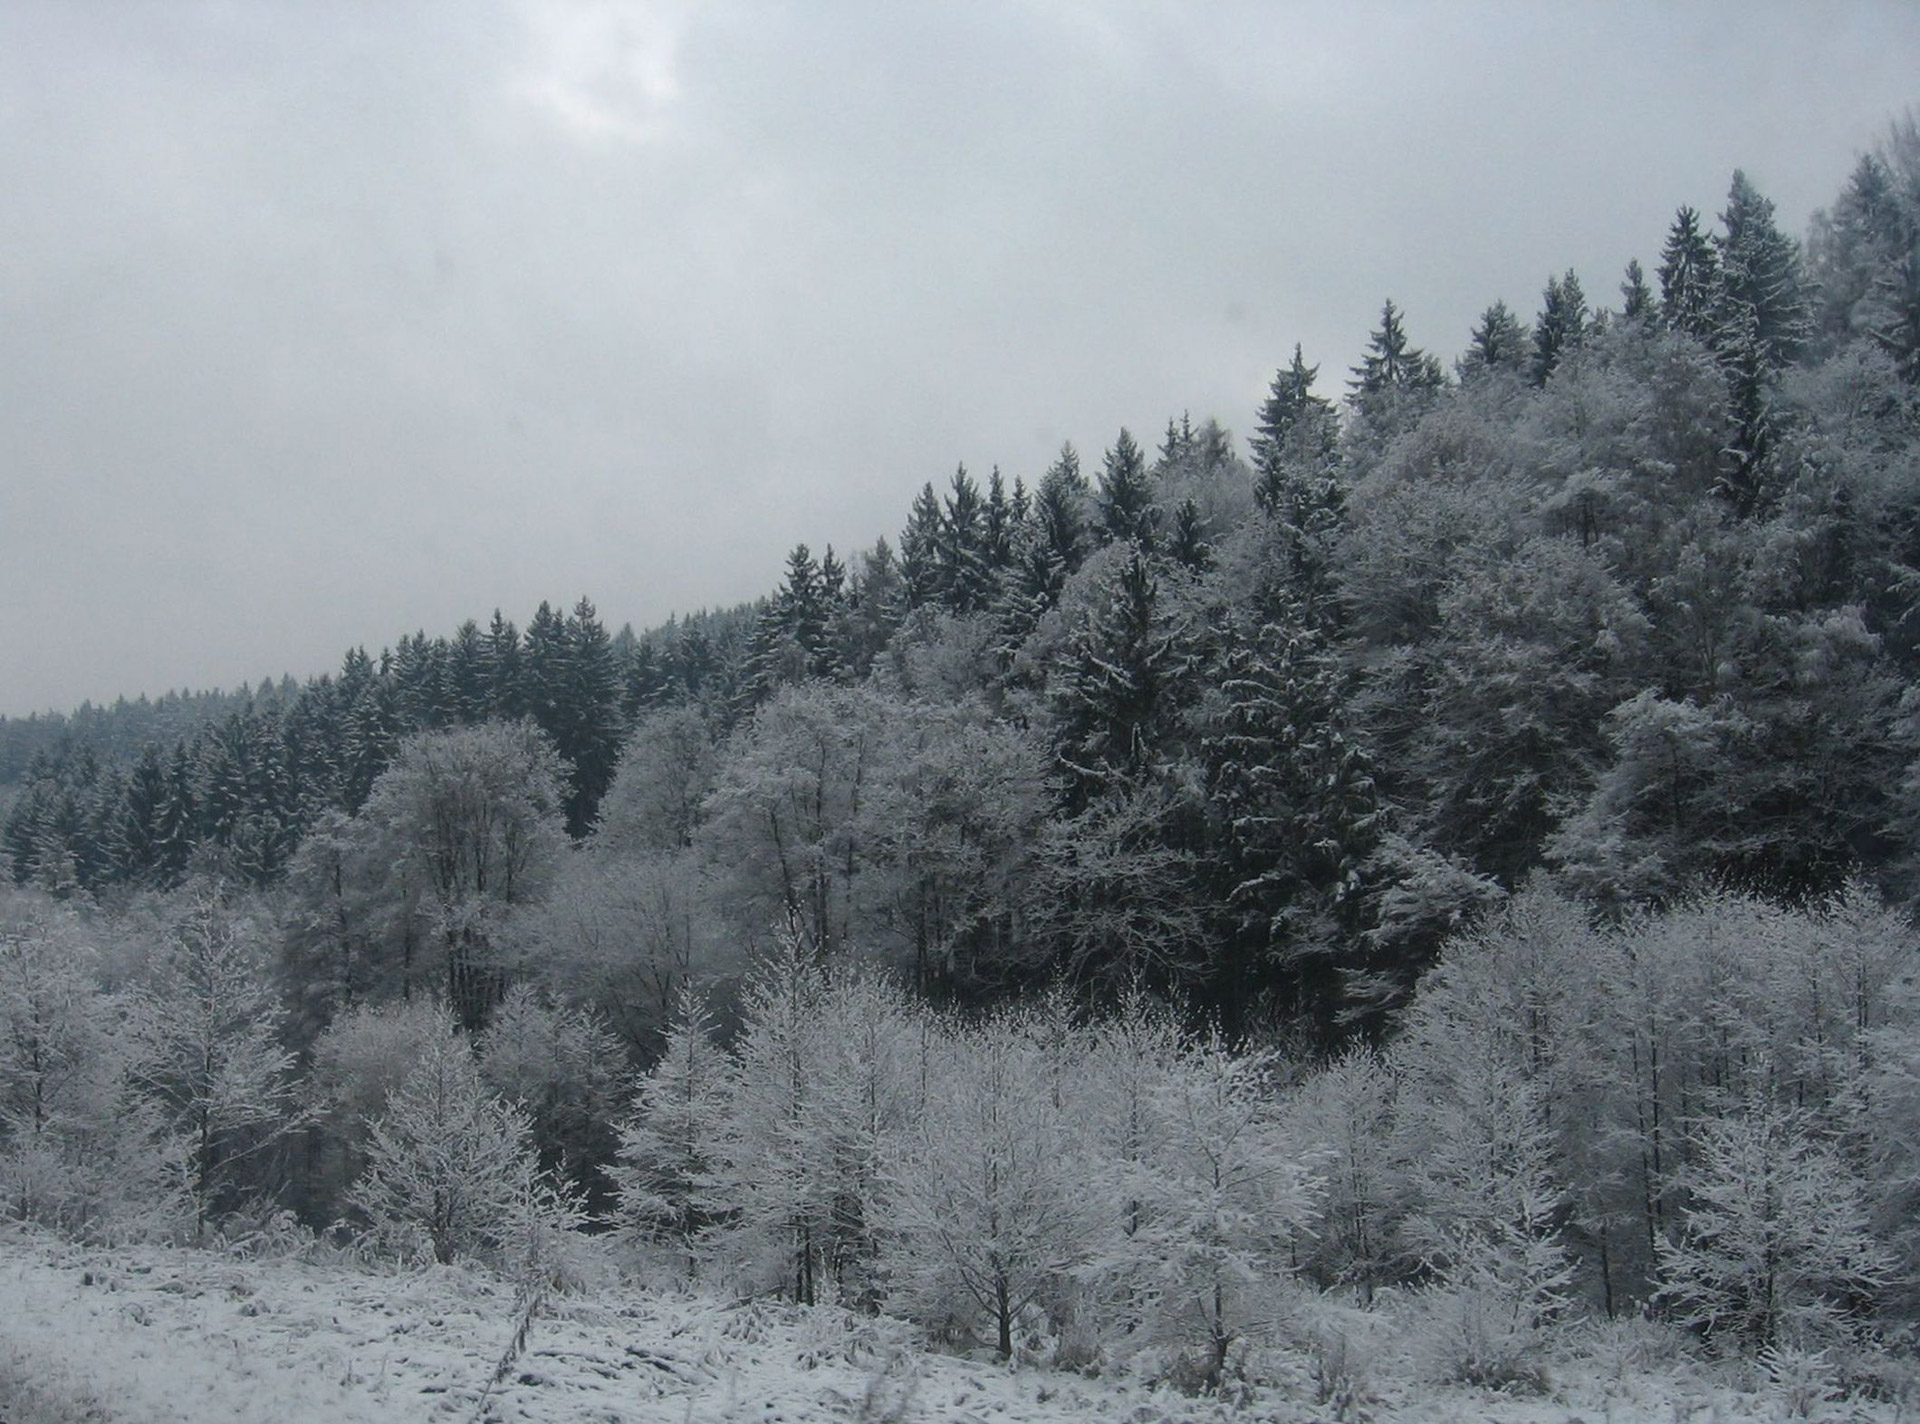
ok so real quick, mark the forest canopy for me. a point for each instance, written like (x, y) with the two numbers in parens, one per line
(1458, 841)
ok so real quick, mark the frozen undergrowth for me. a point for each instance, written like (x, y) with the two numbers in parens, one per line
(154, 1334)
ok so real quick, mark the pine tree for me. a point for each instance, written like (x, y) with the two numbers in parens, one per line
(1125, 676)
(868, 615)
(1689, 277)
(1299, 815)
(506, 698)
(1636, 297)
(1060, 510)
(1125, 499)
(468, 696)
(372, 736)
(1392, 364)
(1028, 589)
(1296, 430)
(1392, 387)
(1561, 327)
(142, 818)
(962, 561)
(825, 661)
(543, 669)
(1002, 525)
(176, 828)
(1188, 544)
(1762, 302)
(790, 634)
(1760, 322)
(1176, 446)
(919, 550)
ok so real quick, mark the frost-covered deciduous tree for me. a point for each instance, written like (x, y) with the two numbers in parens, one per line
(621, 932)
(827, 1065)
(784, 816)
(950, 819)
(347, 929)
(988, 1213)
(470, 821)
(665, 773)
(1774, 1246)
(1344, 1112)
(77, 1149)
(1484, 1201)
(565, 1070)
(204, 1034)
(670, 1152)
(451, 1169)
(776, 1169)
(1222, 1200)
(357, 1063)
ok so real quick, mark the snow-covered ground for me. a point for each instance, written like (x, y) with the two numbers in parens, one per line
(152, 1334)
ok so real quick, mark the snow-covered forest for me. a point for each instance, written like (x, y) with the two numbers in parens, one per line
(1413, 890)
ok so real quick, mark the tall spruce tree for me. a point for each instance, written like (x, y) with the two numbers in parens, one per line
(590, 728)
(1561, 327)
(963, 568)
(1689, 277)
(1392, 364)
(1125, 499)
(1636, 297)
(1060, 510)
(1126, 675)
(1295, 429)
(1299, 816)
(1499, 341)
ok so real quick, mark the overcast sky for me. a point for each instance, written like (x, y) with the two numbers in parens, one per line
(323, 322)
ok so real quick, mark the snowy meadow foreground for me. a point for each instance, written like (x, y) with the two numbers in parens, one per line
(155, 1334)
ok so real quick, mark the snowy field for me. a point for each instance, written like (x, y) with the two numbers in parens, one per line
(155, 1334)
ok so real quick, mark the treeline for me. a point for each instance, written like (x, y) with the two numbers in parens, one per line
(109, 804)
(118, 732)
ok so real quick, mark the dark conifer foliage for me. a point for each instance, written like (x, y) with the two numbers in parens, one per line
(1297, 430)
(1125, 500)
(1299, 818)
(1636, 297)
(1561, 325)
(1499, 341)
(1127, 672)
(1689, 277)
(963, 547)
(1062, 509)
(1392, 363)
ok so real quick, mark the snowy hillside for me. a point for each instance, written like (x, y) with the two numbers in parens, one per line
(156, 1334)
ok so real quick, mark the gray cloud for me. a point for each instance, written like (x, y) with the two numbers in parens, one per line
(322, 322)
